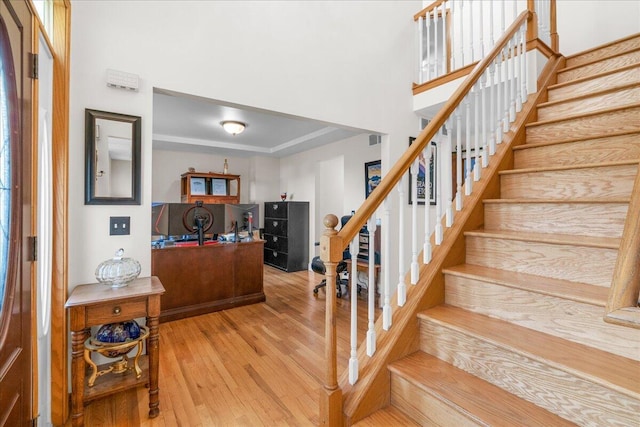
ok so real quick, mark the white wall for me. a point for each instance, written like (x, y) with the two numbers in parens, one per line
(343, 188)
(342, 62)
(586, 24)
(168, 165)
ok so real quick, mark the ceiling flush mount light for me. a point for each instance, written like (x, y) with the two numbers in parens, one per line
(232, 127)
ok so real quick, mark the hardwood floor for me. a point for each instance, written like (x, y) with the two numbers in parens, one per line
(258, 365)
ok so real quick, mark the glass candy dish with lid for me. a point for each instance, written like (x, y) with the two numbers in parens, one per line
(118, 271)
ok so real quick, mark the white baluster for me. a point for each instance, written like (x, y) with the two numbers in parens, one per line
(502, 16)
(485, 148)
(505, 105)
(472, 37)
(517, 54)
(452, 37)
(492, 29)
(468, 181)
(428, 29)
(402, 289)
(386, 308)
(458, 159)
(371, 328)
(512, 81)
(523, 64)
(444, 39)
(414, 221)
(482, 29)
(353, 360)
(446, 160)
(436, 64)
(499, 98)
(426, 250)
(420, 50)
(492, 108)
(437, 164)
(462, 42)
(544, 19)
(476, 127)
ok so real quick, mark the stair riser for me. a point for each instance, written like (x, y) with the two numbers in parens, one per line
(608, 64)
(587, 87)
(591, 126)
(584, 219)
(578, 322)
(594, 55)
(605, 183)
(616, 98)
(609, 149)
(561, 392)
(589, 265)
(423, 407)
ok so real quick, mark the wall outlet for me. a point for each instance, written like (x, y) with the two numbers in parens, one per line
(119, 225)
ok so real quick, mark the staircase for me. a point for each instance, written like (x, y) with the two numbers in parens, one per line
(521, 339)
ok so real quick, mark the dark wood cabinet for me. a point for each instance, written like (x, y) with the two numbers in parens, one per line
(286, 234)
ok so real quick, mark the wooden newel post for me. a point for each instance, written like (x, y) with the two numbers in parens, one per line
(330, 395)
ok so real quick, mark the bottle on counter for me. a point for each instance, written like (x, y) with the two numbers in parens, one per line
(225, 169)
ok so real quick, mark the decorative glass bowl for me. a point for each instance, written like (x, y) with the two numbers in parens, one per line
(118, 271)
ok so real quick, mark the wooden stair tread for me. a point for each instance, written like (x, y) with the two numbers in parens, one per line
(387, 416)
(566, 289)
(545, 144)
(616, 88)
(604, 46)
(470, 395)
(615, 371)
(554, 201)
(591, 77)
(560, 239)
(568, 167)
(565, 118)
(597, 60)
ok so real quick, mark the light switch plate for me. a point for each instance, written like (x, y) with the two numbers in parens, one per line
(119, 225)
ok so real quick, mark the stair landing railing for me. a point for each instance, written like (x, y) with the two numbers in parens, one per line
(452, 35)
(472, 123)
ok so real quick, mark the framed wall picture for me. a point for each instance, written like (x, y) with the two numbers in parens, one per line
(372, 176)
(198, 187)
(218, 187)
(422, 170)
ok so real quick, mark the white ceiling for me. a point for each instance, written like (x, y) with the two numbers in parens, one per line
(190, 123)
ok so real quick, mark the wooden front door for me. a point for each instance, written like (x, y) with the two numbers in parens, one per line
(15, 214)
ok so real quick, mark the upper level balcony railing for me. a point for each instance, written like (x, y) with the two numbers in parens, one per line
(452, 35)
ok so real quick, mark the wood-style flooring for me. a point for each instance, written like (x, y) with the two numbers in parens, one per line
(258, 365)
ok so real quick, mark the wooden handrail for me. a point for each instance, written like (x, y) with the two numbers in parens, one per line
(377, 196)
(432, 6)
(622, 305)
(332, 244)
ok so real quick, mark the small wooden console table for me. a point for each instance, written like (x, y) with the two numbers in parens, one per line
(97, 304)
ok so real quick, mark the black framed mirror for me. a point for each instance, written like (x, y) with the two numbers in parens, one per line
(112, 158)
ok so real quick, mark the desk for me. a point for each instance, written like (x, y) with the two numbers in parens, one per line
(97, 304)
(204, 279)
(362, 266)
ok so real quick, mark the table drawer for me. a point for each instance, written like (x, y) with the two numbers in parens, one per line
(116, 311)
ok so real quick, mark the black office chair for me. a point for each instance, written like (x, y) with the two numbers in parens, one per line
(318, 267)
